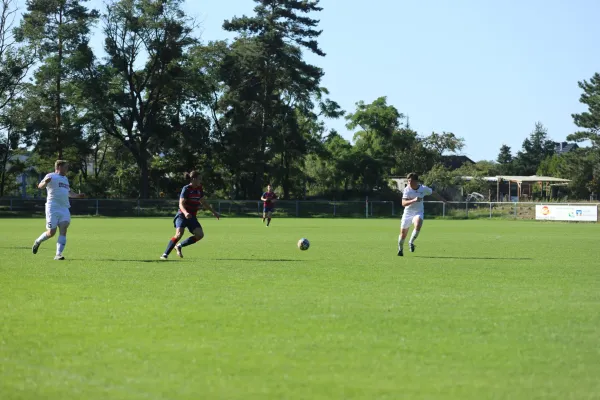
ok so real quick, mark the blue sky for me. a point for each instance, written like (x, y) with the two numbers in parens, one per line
(486, 70)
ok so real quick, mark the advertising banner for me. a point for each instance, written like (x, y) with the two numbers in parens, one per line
(566, 213)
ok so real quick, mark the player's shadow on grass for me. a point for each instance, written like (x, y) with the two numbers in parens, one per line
(16, 247)
(258, 259)
(133, 261)
(177, 260)
(149, 261)
(475, 258)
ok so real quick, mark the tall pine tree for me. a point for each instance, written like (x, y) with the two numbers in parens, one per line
(505, 159)
(535, 149)
(589, 121)
(59, 32)
(267, 76)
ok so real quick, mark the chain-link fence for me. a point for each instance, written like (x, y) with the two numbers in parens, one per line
(227, 208)
(294, 209)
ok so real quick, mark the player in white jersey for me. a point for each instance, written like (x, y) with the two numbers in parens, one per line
(57, 207)
(412, 201)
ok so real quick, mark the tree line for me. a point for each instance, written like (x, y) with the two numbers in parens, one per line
(159, 101)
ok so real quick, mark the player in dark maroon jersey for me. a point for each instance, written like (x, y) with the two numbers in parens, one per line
(190, 200)
(268, 198)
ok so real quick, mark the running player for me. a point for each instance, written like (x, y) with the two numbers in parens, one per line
(269, 198)
(57, 207)
(192, 196)
(412, 201)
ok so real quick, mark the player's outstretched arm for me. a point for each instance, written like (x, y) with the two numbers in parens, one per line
(45, 182)
(207, 205)
(438, 197)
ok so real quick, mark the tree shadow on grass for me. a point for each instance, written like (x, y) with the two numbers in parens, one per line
(475, 258)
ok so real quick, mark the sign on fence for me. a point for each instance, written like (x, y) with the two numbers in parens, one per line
(566, 213)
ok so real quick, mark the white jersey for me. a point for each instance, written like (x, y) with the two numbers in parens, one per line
(410, 193)
(58, 191)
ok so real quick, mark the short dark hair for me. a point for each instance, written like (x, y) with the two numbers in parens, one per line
(191, 175)
(59, 163)
(413, 176)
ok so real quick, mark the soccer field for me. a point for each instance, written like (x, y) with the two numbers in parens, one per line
(482, 310)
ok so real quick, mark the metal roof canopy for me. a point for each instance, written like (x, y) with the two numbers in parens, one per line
(529, 181)
(518, 180)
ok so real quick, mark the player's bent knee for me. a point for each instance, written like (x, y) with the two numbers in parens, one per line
(51, 232)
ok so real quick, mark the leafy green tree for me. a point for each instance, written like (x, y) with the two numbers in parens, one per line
(377, 121)
(146, 43)
(58, 31)
(487, 168)
(216, 102)
(578, 166)
(425, 152)
(12, 126)
(453, 183)
(440, 143)
(311, 126)
(419, 154)
(195, 121)
(388, 147)
(440, 178)
(15, 61)
(476, 184)
(554, 165)
(379, 138)
(411, 154)
(332, 171)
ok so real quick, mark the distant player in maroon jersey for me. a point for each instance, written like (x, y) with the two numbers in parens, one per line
(190, 200)
(269, 198)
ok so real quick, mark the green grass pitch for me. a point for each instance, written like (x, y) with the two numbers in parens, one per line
(482, 310)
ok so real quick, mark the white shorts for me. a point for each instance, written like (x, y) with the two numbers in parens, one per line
(407, 219)
(56, 216)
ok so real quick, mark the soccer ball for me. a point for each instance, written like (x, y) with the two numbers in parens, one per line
(303, 244)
